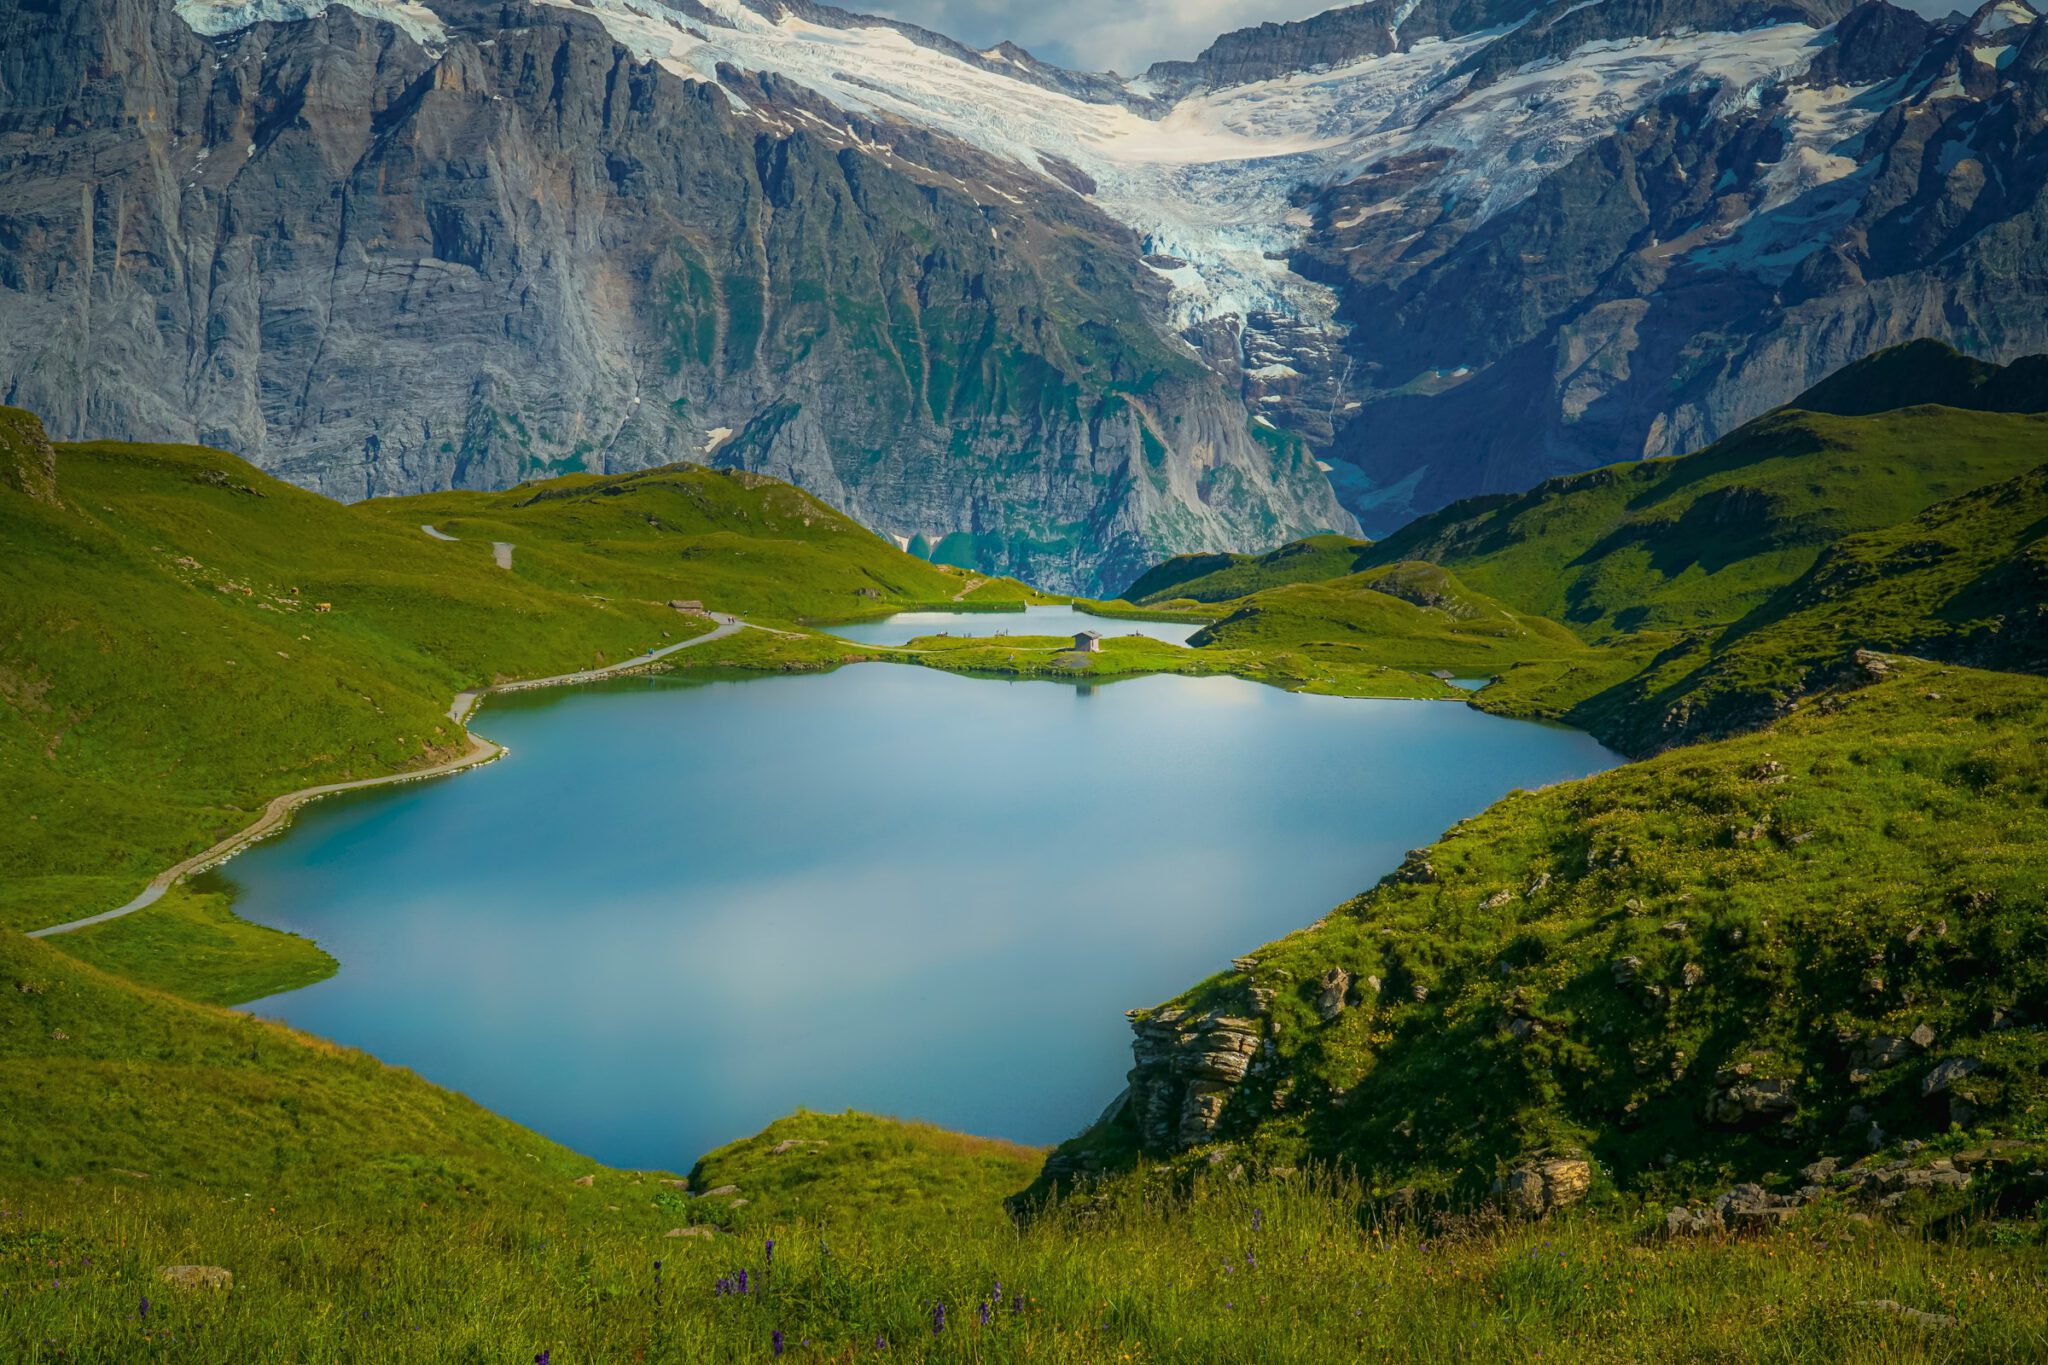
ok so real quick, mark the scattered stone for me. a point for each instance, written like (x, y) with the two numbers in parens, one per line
(1534, 1190)
(1673, 929)
(722, 1192)
(1922, 1037)
(1873, 665)
(698, 1230)
(1418, 992)
(1691, 975)
(585, 1180)
(1330, 999)
(1880, 1051)
(1497, 900)
(1244, 966)
(1742, 1100)
(1947, 1074)
(1692, 1223)
(59, 1035)
(1416, 867)
(196, 1277)
(1541, 880)
(1262, 1000)
(1626, 970)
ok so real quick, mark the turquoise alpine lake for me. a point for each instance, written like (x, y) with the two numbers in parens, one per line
(680, 909)
(906, 626)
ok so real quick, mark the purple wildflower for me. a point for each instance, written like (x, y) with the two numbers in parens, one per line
(771, 1251)
(1258, 1219)
(938, 1318)
(775, 1339)
(542, 1358)
(984, 1312)
(743, 1282)
(143, 1311)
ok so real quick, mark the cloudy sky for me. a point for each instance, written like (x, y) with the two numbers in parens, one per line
(1092, 35)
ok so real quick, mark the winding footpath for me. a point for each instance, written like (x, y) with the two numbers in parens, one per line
(480, 751)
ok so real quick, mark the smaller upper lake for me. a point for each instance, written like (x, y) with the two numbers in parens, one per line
(906, 626)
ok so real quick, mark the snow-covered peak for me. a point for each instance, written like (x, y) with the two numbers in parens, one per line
(1212, 181)
(215, 17)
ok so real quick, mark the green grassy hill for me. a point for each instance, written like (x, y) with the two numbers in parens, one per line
(1677, 968)
(1409, 615)
(1701, 539)
(1966, 580)
(182, 637)
(1818, 939)
(1220, 577)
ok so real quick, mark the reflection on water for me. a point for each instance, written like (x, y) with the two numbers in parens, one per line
(681, 910)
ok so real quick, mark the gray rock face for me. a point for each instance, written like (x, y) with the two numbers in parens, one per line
(1668, 283)
(376, 267)
(1533, 1190)
(1186, 1069)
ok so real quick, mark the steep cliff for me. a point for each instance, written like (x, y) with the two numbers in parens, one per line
(387, 248)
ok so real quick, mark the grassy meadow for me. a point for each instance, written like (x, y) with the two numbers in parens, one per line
(1800, 945)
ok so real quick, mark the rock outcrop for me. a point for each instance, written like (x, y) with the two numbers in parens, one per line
(28, 462)
(1187, 1068)
(1540, 1187)
(382, 257)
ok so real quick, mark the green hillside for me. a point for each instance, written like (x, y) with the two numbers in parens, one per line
(1966, 580)
(1220, 577)
(182, 637)
(1809, 954)
(1676, 968)
(1701, 539)
(1410, 615)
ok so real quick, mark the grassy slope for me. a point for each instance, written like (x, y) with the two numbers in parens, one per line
(739, 541)
(165, 666)
(1887, 836)
(1220, 577)
(1701, 539)
(1413, 615)
(389, 1220)
(1967, 580)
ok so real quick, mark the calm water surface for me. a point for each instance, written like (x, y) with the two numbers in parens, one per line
(906, 626)
(680, 910)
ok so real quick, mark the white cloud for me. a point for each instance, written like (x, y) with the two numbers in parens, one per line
(1093, 35)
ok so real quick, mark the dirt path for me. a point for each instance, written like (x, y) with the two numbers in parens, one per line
(502, 552)
(438, 535)
(972, 584)
(480, 751)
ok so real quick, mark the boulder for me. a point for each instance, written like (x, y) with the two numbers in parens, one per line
(1416, 867)
(1626, 970)
(1533, 1190)
(586, 1181)
(1922, 1037)
(699, 1230)
(1946, 1074)
(1743, 1100)
(1880, 1051)
(1330, 997)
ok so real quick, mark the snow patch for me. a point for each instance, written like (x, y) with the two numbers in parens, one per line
(213, 18)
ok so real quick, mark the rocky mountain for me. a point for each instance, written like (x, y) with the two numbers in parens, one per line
(1437, 247)
(382, 248)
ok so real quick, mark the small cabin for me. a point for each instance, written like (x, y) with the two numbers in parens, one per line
(1088, 642)
(1443, 675)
